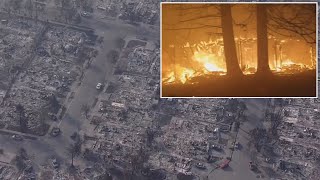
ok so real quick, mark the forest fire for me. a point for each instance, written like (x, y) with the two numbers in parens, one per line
(290, 67)
(290, 63)
(210, 62)
(179, 74)
(222, 50)
(203, 63)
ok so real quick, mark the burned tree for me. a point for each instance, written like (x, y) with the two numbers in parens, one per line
(263, 68)
(258, 137)
(85, 108)
(119, 43)
(22, 119)
(20, 159)
(216, 14)
(233, 68)
(293, 20)
(113, 56)
(286, 21)
(75, 150)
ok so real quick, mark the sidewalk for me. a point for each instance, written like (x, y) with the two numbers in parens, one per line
(25, 135)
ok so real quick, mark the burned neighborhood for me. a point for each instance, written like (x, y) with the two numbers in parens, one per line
(80, 99)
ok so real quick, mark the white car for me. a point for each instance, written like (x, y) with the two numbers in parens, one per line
(17, 137)
(85, 14)
(99, 86)
(236, 145)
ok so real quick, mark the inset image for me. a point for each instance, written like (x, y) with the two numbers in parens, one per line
(239, 50)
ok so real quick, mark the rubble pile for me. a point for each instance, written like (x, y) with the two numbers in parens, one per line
(129, 115)
(146, 11)
(16, 45)
(294, 153)
(7, 172)
(141, 60)
(43, 85)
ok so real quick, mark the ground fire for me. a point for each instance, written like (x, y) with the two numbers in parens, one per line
(206, 63)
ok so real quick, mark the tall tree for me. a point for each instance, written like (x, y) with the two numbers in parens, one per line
(119, 43)
(222, 12)
(263, 68)
(53, 103)
(293, 20)
(283, 20)
(85, 108)
(75, 150)
(233, 68)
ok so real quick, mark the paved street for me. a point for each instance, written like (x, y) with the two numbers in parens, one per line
(239, 166)
(100, 70)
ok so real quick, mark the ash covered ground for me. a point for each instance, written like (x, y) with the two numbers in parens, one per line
(80, 99)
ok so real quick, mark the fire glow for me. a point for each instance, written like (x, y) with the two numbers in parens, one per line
(210, 62)
(180, 74)
(207, 63)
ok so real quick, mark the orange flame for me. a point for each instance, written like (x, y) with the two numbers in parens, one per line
(210, 62)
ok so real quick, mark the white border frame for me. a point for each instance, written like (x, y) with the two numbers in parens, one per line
(317, 44)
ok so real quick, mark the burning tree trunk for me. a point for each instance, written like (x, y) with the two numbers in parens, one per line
(230, 52)
(263, 68)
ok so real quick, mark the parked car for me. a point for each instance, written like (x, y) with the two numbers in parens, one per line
(200, 166)
(231, 144)
(237, 145)
(99, 86)
(216, 147)
(85, 14)
(55, 163)
(252, 166)
(55, 131)
(17, 137)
